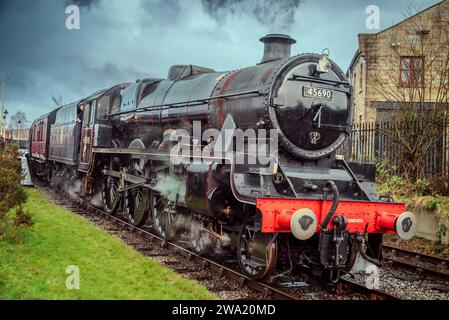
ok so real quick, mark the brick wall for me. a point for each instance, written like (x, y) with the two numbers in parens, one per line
(378, 63)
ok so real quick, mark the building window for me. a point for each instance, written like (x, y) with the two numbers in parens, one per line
(411, 73)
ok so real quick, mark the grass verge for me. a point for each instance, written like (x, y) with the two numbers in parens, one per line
(108, 268)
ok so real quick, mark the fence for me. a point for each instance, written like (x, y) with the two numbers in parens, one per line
(375, 141)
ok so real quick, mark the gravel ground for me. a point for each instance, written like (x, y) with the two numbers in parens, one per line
(402, 284)
(407, 287)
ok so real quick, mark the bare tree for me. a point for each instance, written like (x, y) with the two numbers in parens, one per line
(18, 120)
(414, 79)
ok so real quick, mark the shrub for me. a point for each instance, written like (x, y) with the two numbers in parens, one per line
(12, 195)
(423, 194)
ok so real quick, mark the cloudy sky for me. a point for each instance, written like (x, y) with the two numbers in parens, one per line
(121, 41)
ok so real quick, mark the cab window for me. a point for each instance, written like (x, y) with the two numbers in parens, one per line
(103, 108)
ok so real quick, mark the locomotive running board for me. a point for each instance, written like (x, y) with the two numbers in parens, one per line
(151, 153)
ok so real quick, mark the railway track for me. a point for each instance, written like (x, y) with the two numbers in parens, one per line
(154, 246)
(422, 265)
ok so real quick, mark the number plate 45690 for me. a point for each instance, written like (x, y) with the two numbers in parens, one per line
(313, 92)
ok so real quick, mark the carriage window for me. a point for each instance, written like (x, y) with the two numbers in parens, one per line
(103, 108)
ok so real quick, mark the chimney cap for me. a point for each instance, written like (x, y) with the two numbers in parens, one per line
(276, 37)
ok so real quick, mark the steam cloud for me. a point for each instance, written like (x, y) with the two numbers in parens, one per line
(97, 200)
(72, 189)
(169, 187)
(277, 15)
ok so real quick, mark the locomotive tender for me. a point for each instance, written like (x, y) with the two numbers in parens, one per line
(306, 209)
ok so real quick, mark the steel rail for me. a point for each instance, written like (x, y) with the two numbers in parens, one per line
(423, 265)
(373, 294)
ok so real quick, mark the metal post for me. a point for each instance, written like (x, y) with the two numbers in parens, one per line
(18, 130)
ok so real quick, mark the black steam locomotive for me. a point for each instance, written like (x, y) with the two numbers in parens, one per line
(244, 159)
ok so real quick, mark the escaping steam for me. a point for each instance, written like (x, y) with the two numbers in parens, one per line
(170, 187)
(276, 15)
(72, 189)
(97, 200)
(360, 265)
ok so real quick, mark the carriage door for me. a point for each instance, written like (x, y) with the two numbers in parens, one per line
(87, 133)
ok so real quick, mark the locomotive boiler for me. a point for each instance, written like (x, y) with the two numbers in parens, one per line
(245, 159)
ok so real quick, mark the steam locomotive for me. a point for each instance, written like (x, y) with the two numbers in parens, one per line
(182, 155)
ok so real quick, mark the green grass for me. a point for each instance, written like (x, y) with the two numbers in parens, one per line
(109, 269)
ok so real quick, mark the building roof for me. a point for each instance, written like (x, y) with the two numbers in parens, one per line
(411, 17)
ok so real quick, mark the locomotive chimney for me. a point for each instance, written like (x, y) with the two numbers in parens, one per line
(276, 47)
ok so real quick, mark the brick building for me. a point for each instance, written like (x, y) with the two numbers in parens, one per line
(392, 63)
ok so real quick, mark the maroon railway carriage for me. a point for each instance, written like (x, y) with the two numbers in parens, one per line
(39, 139)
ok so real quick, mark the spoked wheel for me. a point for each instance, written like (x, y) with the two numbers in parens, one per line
(256, 252)
(200, 239)
(136, 203)
(161, 214)
(110, 194)
(109, 190)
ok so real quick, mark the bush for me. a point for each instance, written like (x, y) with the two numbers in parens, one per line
(400, 187)
(12, 195)
(422, 194)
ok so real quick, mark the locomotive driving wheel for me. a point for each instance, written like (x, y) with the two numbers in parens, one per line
(136, 200)
(136, 206)
(256, 251)
(162, 214)
(109, 192)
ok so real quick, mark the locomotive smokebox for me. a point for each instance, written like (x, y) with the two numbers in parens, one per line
(276, 47)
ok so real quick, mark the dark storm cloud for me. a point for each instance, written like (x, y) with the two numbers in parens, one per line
(44, 59)
(161, 10)
(121, 41)
(83, 3)
(277, 15)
